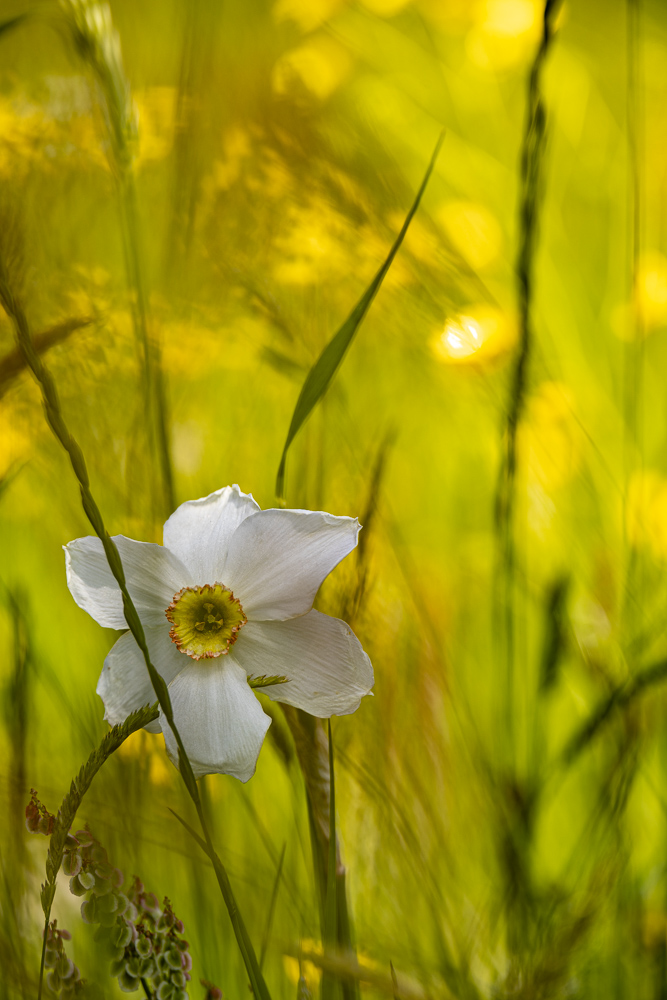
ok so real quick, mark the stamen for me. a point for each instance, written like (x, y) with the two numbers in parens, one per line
(205, 620)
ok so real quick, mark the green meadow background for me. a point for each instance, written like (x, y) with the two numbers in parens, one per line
(496, 843)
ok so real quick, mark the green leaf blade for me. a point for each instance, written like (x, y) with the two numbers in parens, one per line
(323, 371)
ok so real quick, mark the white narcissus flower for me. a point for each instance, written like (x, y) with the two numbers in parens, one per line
(226, 599)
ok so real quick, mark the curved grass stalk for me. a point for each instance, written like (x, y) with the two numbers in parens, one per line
(54, 416)
(532, 157)
(70, 806)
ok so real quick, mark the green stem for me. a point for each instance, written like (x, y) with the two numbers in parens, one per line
(532, 154)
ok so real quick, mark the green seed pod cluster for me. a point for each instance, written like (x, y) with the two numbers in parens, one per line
(63, 977)
(91, 875)
(157, 948)
(143, 939)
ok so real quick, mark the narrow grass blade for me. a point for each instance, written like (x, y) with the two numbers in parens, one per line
(71, 803)
(272, 907)
(555, 639)
(350, 987)
(319, 865)
(329, 990)
(394, 980)
(320, 375)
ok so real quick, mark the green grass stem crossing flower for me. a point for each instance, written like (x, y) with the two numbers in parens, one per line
(226, 602)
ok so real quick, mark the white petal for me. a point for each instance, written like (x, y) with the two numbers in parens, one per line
(220, 720)
(152, 573)
(124, 685)
(328, 672)
(278, 559)
(198, 531)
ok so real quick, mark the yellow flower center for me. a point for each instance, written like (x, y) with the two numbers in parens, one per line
(205, 620)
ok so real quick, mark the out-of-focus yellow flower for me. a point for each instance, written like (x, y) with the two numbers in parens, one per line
(649, 311)
(187, 447)
(313, 247)
(505, 33)
(547, 437)
(156, 109)
(141, 746)
(473, 230)
(475, 336)
(226, 172)
(321, 65)
(308, 14)
(84, 134)
(310, 972)
(646, 512)
(16, 440)
(549, 451)
(651, 289)
(194, 349)
(25, 132)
